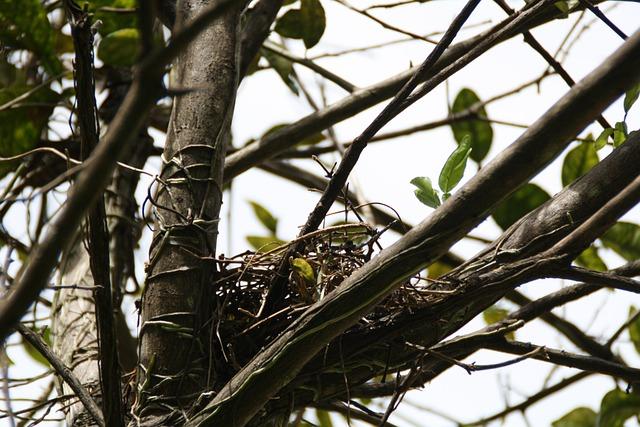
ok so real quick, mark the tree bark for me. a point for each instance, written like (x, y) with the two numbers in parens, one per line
(177, 361)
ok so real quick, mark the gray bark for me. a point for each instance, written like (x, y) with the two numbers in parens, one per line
(175, 354)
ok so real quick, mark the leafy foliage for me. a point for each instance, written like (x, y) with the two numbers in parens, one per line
(35, 354)
(265, 217)
(302, 267)
(631, 97)
(454, 167)
(24, 25)
(22, 124)
(425, 192)
(579, 417)
(307, 23)
(623, 238)
(495, 314)
(283, 67)
(617, 407)
(264, 243)
(579, 161)
(634, 329)
(105, 11)
(479, 131)
(590, 259)
(120, 48)
(524, 200)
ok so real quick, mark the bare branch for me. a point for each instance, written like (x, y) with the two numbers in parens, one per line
(65, 373)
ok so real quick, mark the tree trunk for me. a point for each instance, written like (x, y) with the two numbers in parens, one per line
(177, 361)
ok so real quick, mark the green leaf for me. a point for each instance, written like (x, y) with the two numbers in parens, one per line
(437, 269)
(283, 67)
(324, 419)
(264, 243)
(265, 217)
(315, 22)
(22, 125)
(624, 239)
(479, 131)
(524, 200)
(120, 48)
(454, 167)
(579, 417)
(307, 23)
(310, 140)
(631, 97)
(24, 25)
(35, 354)
(425, 192)
(290, 24)
(603, 138)
(634, 329)
(617, 407)
(590, 259)
(579, 161)
(620, 134)
(304, 269)
(495, 314)
(563, 6)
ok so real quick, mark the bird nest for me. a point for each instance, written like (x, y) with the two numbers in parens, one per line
(327, 258)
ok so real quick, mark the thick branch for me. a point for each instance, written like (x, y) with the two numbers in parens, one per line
(543, 141)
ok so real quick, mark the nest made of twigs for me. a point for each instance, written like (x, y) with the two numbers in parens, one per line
(328, 257)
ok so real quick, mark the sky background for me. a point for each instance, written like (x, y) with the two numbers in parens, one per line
(385, 169)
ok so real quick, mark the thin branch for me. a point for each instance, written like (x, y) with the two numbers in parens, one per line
(542, 394)
(597, 12)
(369, 417)
(601, 278)
(565, 358)
(349, 87)
(557, 67)
(385, 24)
(351, 156)
(65, 373)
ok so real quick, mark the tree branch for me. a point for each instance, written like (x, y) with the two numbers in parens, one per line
(65, 373)
(564, 358)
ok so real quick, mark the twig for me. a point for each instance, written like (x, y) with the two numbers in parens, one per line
(557, 67)
(385, 24)
(357, 413)
(597, 12)
(565, 358)
(349, 87)
(521, 407)
(600, 278)
(65, 373)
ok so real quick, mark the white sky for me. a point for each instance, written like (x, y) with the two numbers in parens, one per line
(385, 170)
